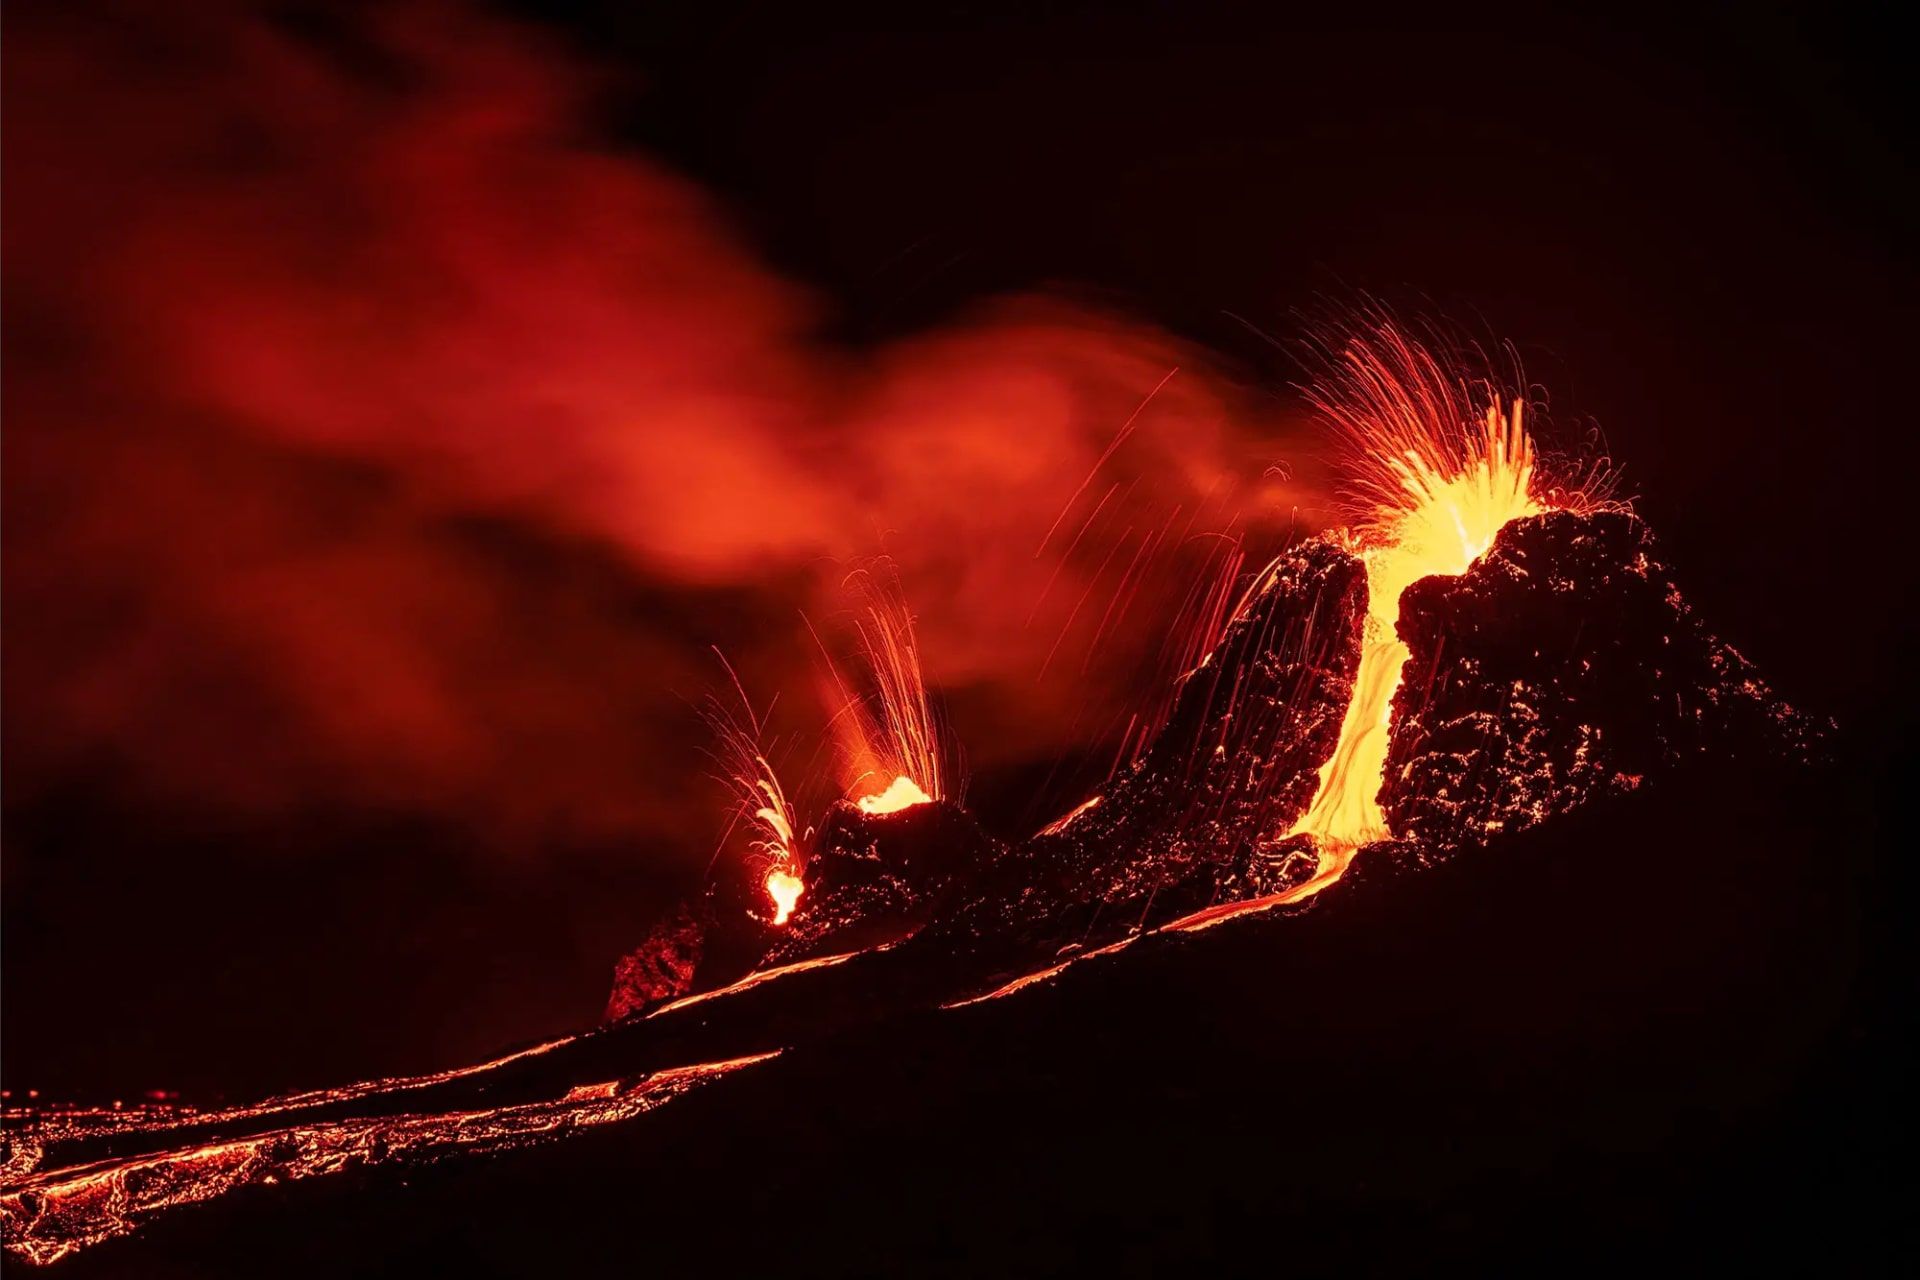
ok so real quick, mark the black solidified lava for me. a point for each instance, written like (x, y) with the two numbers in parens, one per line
(1563, 665)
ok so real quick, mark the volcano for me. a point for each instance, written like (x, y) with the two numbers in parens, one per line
(1490, 679)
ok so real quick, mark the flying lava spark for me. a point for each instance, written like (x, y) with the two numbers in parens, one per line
(892, 739)
(760, 803)
(1437, 462)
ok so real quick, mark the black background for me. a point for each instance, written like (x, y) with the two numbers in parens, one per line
(1696, 229)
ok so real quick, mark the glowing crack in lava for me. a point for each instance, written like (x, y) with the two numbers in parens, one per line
(1435, 483)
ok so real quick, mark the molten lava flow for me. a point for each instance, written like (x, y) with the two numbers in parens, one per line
(52, 1215)
(1436, 485)
(1066, 819)
(759, 977)
(901, 793)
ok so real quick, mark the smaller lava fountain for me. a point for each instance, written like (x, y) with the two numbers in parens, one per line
(785, 888)
(760, 801)
(894, 734)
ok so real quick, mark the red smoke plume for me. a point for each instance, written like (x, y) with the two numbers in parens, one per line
(378, 433)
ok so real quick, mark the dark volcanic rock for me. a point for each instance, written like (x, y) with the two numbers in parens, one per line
(870, 879)
(659, 969)
(1563, 665)
(708, 941)
(1193, 822)
(873, 878)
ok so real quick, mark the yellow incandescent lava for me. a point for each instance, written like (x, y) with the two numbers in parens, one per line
(902, 793)
(1441, 502)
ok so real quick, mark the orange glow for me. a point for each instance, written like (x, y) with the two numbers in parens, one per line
(785, 889)
(757, 977)
(54, 1214)
(901, 793)
(1333, 864)
(892, 734)
(1448, 508)
(759, 799)
(1435, 481)
(1065, 820)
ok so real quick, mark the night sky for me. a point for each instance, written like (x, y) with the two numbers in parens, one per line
(401, 401)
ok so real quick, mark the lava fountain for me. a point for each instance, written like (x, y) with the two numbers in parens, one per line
(892, 742)
(759, 799)
(1433, 481)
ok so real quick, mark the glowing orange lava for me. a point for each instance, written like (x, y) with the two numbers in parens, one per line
(785, 889)
(757, 977)
(54, 1214)
(902, 793)
(1065, 820)
(758, 797)
(1436, 482)
(894, 733)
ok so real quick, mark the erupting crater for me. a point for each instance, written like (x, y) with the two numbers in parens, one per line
(1434, 488)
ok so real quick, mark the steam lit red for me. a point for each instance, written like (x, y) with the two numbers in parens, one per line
(367, 407)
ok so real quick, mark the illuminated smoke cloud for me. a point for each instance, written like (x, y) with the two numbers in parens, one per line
(372, 424)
